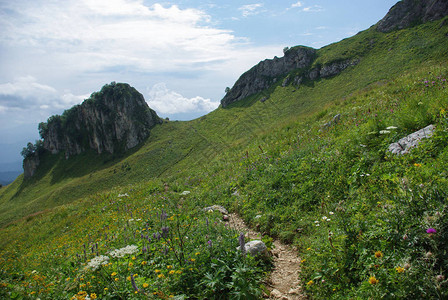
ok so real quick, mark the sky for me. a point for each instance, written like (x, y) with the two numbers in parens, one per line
(181, 55)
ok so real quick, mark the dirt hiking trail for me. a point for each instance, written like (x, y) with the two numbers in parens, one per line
(283, 282)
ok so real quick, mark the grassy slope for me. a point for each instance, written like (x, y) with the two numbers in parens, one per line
(206, 153)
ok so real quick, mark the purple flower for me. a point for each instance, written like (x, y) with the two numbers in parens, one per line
(431, 230)
(209, 242)
(133, 283)
(242, 244)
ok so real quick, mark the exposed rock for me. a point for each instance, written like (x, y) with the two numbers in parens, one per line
(265, 73)
(219, 208)
(256, 248)
(408, 13)
(335, 120)
(30, 164)
(336, 67)
(405, 144)
(115, 119)
(276, 294)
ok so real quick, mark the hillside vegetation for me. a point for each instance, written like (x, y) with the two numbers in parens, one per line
(367, 223)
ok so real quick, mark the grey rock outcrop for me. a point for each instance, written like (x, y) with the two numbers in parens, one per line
(264, 74)
(255, 248)
(408, 13)
(219, 208)
(30, 164)
(115, 119)
(405, 144)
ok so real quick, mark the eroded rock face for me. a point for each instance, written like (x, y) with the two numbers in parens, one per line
(407, 13)
(264, 74)
(267, 72)
(30, 165)
(115, 119)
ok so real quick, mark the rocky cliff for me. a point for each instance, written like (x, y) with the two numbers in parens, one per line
(408, 13)
(267, 72)
(115, 119)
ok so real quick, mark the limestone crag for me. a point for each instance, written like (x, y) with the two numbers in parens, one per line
(115, 119)
(30, 164)
(408, 13)
(265, 73)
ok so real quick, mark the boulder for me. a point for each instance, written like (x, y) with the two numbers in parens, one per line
(255, 248)
(405, 144)
(219, 208)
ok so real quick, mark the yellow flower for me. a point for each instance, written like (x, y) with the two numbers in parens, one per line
(417, 165)
(157, 271)
(197, 253)
(192, 259)
(93, 296)
(310, 282)
(116, 279)
(131, 264)
(399, 269)
(160, 275)
(145, 285)
(308, 248)
(133, 257)
(169, 267)
(144, 263)
(129, 278)
(373, 280)
(113, 274)
(178, 272)
(378, 254)
(172, 272)
(303, 260)
(105, 289)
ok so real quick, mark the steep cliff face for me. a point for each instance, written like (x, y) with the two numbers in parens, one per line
(407, 13)
(264, 73)
(115, 119)
(267, 72)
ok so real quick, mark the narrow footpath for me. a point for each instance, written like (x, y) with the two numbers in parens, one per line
(284, 281)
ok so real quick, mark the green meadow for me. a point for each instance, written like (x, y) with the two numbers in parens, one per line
(367, 223)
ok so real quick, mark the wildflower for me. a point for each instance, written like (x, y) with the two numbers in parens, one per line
(116, 279)
(331, 213)
(97, 261)
(308, 248)
(324, 218)
(417, 165)
(133, 283)
(172, 272)
(93, 296)
(113, 274)
(131, 264)
(431, 230)
(184, 193)
(391, 128)
(399, 269)
(407, 266)
(440, 278)
(316, 222)
(373, 280)
(378, 254)
(130, 249)
(197, 253)
(384, 131)
(157, 271)
(160, 275)
(310, 282)
(144, 263)
(178, 272)
(192, 259)
(169, 267)
(145, 285)
(242, 244)
(133, 258)
(209, 242)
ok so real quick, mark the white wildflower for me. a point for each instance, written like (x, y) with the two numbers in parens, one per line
(391, 128)
(317, 225)
(184, 193)
(384, 131)
(123, 195)
(130, 249)
(316, 222)
(97, 261)
(331, 213)
(328, 220)
(324, 218)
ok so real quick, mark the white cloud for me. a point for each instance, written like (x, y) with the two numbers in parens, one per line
(297, 4)
(250, 9)
(165, 101)
(26, 94)
(314, 8)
